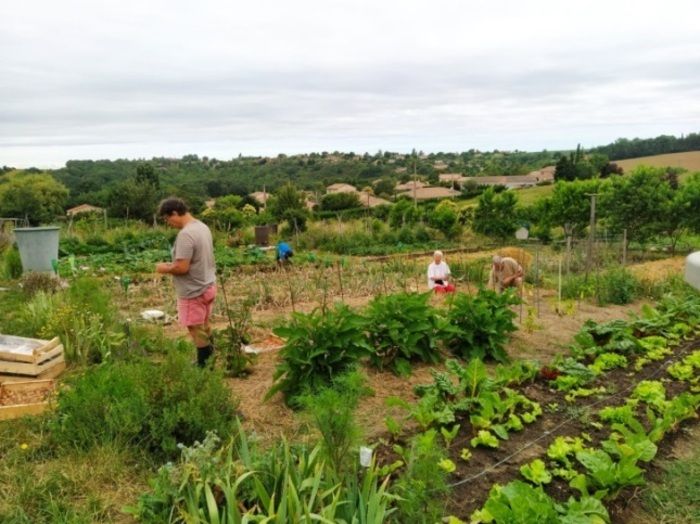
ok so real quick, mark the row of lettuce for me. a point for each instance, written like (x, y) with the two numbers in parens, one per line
(486, 407)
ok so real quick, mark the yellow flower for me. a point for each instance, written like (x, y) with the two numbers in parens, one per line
(23, 446)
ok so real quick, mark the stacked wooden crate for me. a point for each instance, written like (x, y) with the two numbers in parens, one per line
(29, 357)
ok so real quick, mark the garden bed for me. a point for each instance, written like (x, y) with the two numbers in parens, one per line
(18, 399)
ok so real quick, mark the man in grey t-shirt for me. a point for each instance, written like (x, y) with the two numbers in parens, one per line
(194, 273)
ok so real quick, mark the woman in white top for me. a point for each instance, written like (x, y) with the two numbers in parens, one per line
(438, 271)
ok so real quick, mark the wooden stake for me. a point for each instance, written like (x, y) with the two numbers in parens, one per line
(559, 300)
(340, 281)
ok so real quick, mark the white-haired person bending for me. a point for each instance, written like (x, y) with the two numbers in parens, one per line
(439, 275)
(505, 273)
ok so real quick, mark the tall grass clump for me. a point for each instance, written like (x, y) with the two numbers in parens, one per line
(152, 405)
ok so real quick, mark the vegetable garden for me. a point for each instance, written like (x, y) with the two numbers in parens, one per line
(465, 417)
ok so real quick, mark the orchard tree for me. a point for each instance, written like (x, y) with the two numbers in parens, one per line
(636, 202)
(38, 197)
(570, 205)
(495, 214)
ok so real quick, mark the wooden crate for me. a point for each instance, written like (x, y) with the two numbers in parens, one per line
(12, 411)
(38, 361)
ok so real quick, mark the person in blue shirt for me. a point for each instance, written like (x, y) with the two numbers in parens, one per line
(284, 253)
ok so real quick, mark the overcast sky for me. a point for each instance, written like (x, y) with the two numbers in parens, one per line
(137, 79)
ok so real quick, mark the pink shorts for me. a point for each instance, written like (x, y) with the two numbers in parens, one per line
(449, 288)
(196, 311)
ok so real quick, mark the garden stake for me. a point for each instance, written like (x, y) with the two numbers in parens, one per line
(537, 280)
(340, 281)
(559, 301)
(289, 284)
(383, 278)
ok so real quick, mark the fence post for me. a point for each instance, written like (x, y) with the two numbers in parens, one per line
(624, 247)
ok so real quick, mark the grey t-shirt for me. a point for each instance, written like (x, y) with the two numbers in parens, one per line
(194, 243)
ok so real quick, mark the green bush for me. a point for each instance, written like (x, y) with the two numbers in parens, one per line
(157, 406)
(403, 327)
(479, 324)
(11, 264)
(617, 286)
(319, 346)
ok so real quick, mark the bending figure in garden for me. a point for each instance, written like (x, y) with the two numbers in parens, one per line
(439, 275)
(284, 253)
(505, 273)
(194, 273)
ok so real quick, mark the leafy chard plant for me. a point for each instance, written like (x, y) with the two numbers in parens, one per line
(402, 328)
(318, 347)
(478, 326)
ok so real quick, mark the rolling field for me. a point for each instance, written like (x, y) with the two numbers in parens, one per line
(689, 160)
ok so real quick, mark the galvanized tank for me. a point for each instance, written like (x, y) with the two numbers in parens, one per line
(38, 247)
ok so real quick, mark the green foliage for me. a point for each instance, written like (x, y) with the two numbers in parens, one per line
(403, 213)
(288, 204)
(402, 328)
(134, 198)
(332, 410)
(235, 484)
(607, 361)
(479, 324)
(38, 197)
(617, 286)
(536, 472)
(421, 485)
(570, 206)
(495, 214)
(633, 202)
(445, 218)
(519, 502)
(339, 201)
(318, 346)
(484, 438)
(155, 406)
(605, 473)
(10, 263)
(226, 213)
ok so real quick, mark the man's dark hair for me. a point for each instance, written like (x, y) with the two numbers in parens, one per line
(172, 205)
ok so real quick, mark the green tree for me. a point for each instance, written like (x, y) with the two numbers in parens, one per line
(495, 214)
(687, 203)
(404, 213)
(339, 201)
(133, 199)
(146, 173)
(38, 197)
(570, 205)
(384, 187)
(226, 214)
(565, 169)
(636, 202)
(445, 217)
(289, 204)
